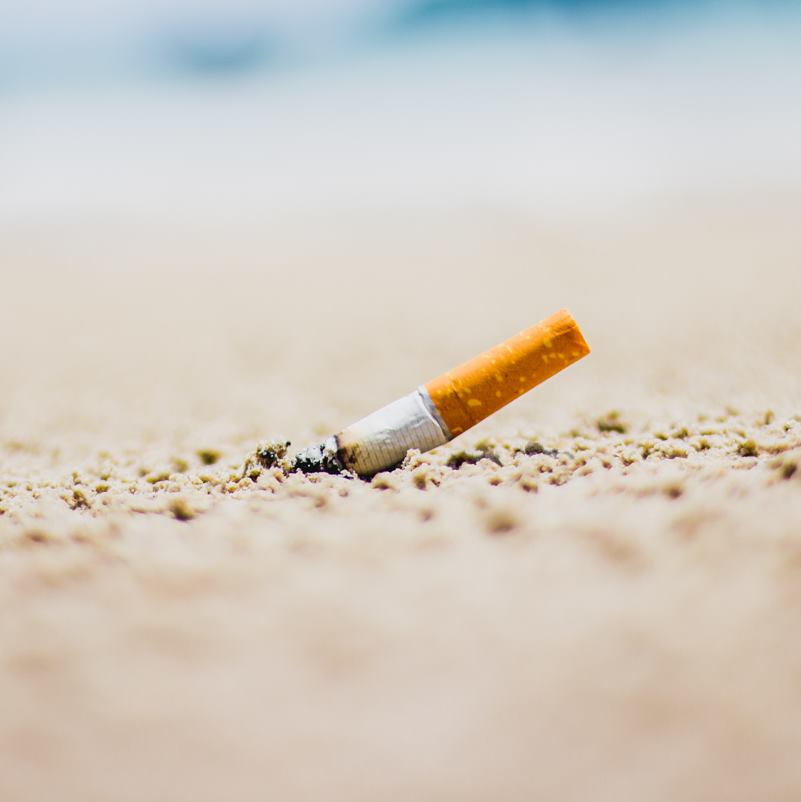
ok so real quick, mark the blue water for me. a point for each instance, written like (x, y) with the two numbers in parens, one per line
(219, 40)
(535, 105)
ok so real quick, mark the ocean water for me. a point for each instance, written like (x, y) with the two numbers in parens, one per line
(196, 110)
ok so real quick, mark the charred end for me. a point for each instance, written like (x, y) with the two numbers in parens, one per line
(324, 457)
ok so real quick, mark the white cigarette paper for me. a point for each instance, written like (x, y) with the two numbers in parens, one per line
(383, 438)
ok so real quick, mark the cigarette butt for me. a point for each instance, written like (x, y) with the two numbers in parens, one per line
(474, 390)
(450, 404)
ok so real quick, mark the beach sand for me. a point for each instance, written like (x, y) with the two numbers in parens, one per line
(616, 622)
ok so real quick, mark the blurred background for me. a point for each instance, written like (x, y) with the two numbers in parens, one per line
(239, 107)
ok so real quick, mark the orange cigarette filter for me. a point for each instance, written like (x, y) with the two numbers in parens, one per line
(474, 390)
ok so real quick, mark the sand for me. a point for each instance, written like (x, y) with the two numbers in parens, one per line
(615, 621)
